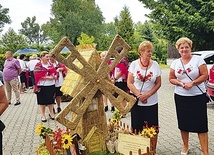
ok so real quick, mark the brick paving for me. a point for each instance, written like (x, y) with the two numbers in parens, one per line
(19, 137)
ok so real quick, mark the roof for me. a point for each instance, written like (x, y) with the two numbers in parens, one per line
(73, 82)
(26, 51)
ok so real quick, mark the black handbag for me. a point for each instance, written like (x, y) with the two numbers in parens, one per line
(2, 126)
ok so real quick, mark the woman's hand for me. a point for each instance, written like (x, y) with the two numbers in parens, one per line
(143, 97)
(59, 69)
(113, 80)
(50, 77)
(189, 85)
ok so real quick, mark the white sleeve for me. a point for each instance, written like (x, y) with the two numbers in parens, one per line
(132, 66)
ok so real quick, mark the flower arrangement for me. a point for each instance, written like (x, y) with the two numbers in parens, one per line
(149, 132)
(113, 129)
(61, 139)
(42, 130)
(116, 117)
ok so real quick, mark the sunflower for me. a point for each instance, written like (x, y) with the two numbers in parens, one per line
(152, 132)
(144, 132)
(114, 121)
(66, 141)
(38, 129)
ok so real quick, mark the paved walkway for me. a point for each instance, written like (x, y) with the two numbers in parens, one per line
(20, 137)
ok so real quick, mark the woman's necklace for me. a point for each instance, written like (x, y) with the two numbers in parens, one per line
(143, 64)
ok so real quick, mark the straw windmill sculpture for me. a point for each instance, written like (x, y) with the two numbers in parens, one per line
(98, 82)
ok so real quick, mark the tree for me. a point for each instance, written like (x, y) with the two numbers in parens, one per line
(4, 18)
(50, 31)
(32, 31)
(177, 18)
(85, 39)
(124, 26)
(73, 17)
(147, 31)
(12, 41)
(106, 37)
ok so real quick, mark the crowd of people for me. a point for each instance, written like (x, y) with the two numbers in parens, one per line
(44, 74)
(141, 78)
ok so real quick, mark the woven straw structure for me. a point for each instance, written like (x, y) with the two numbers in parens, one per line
(86, 80)
(73, 82)
(95, 140)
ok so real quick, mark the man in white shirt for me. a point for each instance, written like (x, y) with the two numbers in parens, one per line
(23, 79)
(31, 65)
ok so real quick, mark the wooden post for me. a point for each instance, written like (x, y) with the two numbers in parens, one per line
(49, 145)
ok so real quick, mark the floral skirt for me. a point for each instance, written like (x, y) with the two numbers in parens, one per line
(192, 113)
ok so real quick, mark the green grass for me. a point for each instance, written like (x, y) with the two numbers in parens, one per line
(163, 66)
(103, 153)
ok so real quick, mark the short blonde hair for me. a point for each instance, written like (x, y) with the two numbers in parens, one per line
(182, 41)
(34, 56)
(144, 45)
(43, 53)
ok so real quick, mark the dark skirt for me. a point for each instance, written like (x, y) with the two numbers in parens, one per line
(23, 77)
(46, 95)
(58, 91)
(192, 113)
(121, 85)
(32, 77)
(142, 114)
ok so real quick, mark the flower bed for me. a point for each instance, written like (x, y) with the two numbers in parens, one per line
(57, 142)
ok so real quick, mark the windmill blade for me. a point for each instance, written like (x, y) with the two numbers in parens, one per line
(77, 106)
(112, 52)
(86, 70)
(110, 89)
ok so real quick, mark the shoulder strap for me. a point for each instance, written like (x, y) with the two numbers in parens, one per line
(210, 99)
(144, 80)
(189, 76)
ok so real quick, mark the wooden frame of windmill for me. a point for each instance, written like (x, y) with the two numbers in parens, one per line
(82, 113)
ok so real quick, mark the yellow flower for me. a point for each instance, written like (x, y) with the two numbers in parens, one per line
(114, 121)
(116, 111)
(116, 115)
(38, 129)
(66, 141)
(152, 132)
(144, 132)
